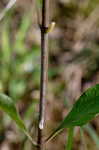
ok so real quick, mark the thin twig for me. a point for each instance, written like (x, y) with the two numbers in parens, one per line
(44, 68)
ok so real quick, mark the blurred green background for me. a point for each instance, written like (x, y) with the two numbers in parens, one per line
(73, 67)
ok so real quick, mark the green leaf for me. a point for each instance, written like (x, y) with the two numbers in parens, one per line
(8, 106)
(84, 110)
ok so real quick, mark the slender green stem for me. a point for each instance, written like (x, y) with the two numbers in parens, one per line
(83, 139)
(70, 139)
(92, 134)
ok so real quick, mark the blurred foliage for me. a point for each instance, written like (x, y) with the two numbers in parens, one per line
(17, 61)
(19, 67)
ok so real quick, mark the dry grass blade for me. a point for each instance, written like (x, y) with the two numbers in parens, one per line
(9, 5)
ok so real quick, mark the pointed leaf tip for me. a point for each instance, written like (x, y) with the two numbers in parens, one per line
(8, 106)
(84, 110)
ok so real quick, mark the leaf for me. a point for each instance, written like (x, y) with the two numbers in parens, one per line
(84, 110)
(8, 106)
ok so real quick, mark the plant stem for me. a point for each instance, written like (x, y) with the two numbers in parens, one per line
(44, 70)
(92, 134)
(83, 139)
(70, 139)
